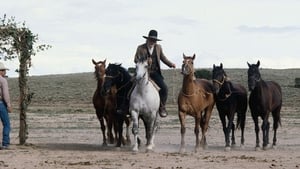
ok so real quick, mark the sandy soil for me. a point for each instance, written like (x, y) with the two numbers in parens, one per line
(73, 140)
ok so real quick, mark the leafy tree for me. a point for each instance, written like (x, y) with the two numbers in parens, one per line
(17, 41)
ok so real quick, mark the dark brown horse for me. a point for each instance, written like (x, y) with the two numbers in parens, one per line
(104, 105)
(116, 75)
(230, 98)
(195, 99)
(265, 97)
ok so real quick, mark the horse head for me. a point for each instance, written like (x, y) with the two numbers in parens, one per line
(253, 75)
(219, 77)
(99, 69)
(187, 67)
(112, 77)
(142, 68)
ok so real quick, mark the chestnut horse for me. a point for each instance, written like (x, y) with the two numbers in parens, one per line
(231, 98)
(195, 99)
(104, 105)
(265, 97)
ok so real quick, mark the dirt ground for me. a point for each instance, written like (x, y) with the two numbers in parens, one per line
(74, 141)
(64, 131)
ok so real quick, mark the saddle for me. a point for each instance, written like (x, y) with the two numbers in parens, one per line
(134, 83)
(154, 84)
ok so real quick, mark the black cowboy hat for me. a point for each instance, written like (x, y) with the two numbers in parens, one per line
(152, 35)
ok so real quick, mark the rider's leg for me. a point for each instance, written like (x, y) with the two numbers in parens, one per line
(163, 92)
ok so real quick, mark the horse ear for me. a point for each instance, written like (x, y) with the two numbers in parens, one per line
(221, 65)
(214, 66)
(104, 61)
(194, 56)
(258, 63)
(183, 55)
(248, 64)
(94, 61)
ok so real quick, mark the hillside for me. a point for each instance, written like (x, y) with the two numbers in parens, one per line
(65, 88)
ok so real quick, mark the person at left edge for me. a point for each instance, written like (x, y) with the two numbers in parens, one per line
(5, 107)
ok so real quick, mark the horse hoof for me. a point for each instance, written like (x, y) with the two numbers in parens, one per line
(227, 149)
(267, 147)
(274, 147)
(148, 150)
(242, 146)
(257, 149)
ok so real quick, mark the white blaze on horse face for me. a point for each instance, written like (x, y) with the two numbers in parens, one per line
(141, 70)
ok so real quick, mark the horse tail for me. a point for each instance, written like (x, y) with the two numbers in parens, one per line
(279, 121)
(241, 119)
(238, 121)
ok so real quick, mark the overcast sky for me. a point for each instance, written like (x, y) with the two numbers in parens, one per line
(228, 31)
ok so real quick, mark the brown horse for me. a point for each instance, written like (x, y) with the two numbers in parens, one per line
(231, 98)
(104, 105)
(265, 97)
(195, 99)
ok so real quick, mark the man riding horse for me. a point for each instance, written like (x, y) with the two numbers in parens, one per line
(154, 52)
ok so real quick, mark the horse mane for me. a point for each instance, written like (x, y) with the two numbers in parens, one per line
(123, 71)
(142, 59)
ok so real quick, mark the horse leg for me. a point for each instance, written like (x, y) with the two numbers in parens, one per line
(120, 121)
(151, 127)
(204, 124)
(242, 119)
(276, 122)
(265, 128)
(127, 122)
(116, 128)
(182, 117)
(255, 119)
(135, 129)
(196, 131)
(223, 120)
(102, 126)
(103, 131)
(109, 129)
(232, 128)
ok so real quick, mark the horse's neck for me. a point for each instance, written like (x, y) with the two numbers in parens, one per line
(124, 87)
(188, 85)
(261, 89)
(100, 83)
(145, 84)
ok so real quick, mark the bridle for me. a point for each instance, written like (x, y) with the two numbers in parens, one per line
(225, 78)
(220, 82)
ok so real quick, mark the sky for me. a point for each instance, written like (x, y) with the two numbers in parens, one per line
(232, 32)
